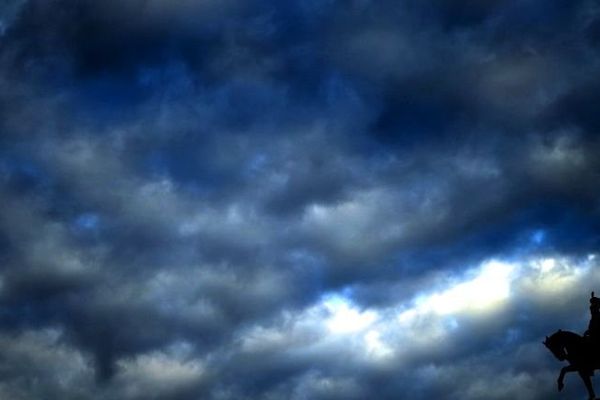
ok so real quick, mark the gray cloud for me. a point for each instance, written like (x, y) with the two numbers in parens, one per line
(302, 200)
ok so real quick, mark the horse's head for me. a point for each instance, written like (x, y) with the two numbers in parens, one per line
(556, 345)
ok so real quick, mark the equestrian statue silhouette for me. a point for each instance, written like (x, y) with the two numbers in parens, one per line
(581, 352)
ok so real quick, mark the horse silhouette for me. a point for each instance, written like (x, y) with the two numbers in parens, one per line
(579, 352)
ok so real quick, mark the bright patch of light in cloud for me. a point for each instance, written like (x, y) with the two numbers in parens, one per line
(548, 278)
(487, 289)
(345, 318)
(375, 345)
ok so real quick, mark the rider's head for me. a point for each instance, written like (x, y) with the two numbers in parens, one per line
(594, 303)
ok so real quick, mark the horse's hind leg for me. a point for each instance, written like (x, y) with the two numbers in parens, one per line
(587, 380)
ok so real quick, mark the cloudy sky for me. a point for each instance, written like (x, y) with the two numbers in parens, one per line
(303, 200)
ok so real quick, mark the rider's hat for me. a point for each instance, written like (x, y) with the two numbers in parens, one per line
(594, 301)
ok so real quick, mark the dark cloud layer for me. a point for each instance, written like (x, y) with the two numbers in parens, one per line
(302, 200)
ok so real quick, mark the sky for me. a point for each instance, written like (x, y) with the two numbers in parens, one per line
(299, 200)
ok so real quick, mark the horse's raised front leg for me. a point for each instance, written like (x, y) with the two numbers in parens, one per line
(561, 377)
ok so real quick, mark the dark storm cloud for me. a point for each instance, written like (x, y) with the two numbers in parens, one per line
(316, 199)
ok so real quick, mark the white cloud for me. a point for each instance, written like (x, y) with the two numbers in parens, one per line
(428, 323)
(344, 318)
(489, 286)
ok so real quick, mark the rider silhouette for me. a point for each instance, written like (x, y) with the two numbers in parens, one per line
(593, 331)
